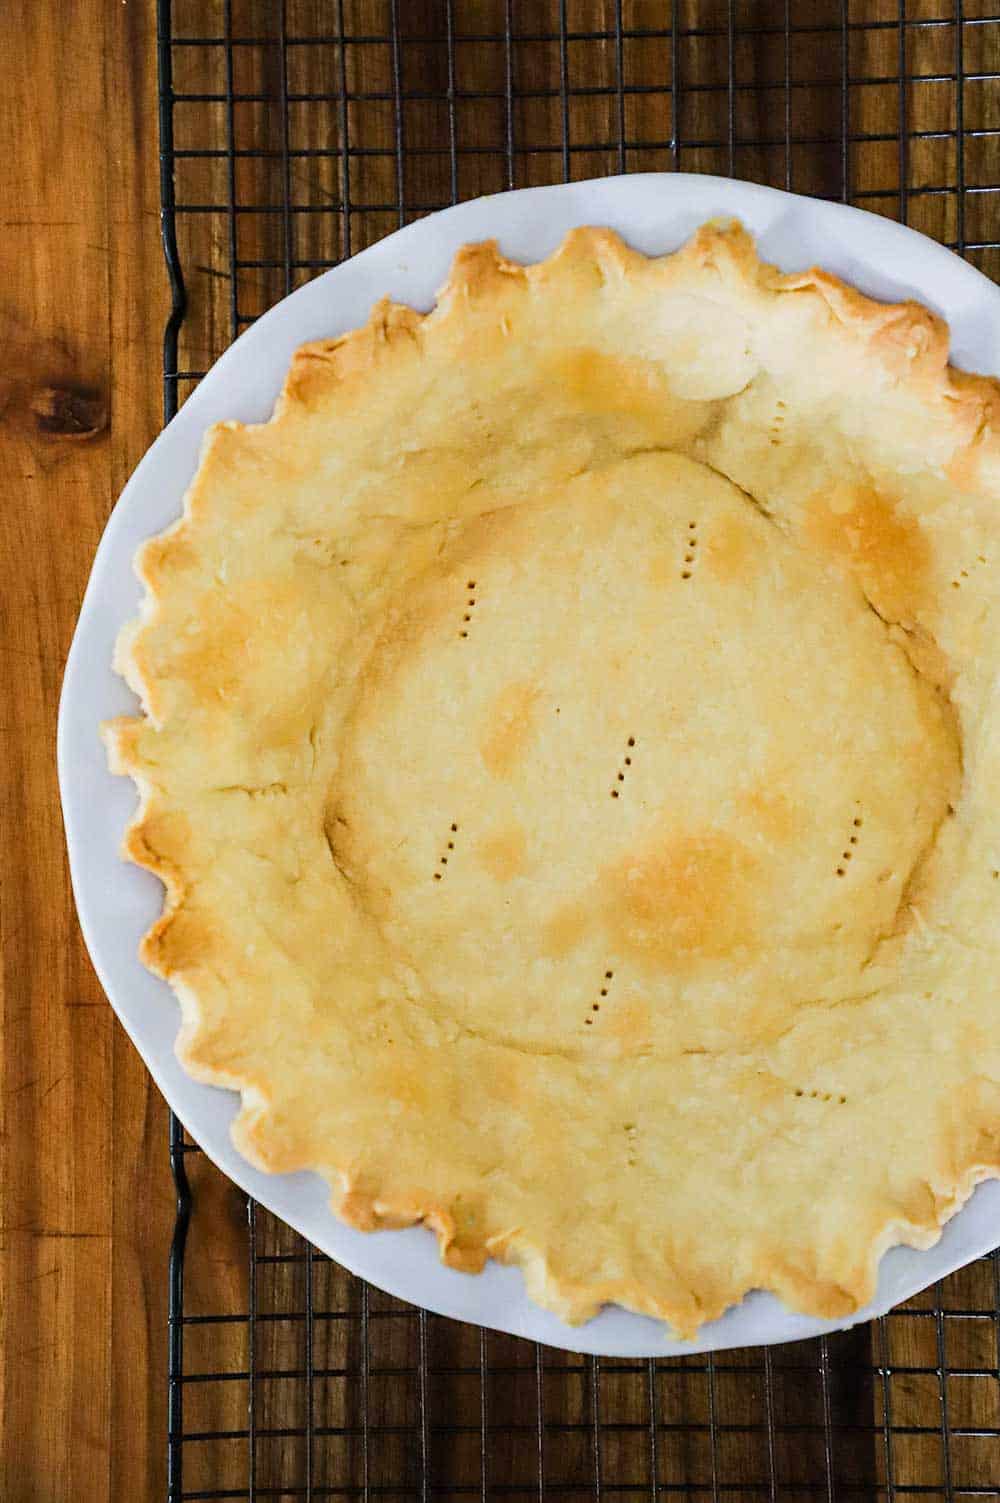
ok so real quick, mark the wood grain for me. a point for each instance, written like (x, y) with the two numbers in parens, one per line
(87, 1207)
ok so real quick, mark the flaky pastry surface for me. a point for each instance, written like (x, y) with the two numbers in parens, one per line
(570, 746)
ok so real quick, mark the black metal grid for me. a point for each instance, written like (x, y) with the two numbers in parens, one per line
(293, 133)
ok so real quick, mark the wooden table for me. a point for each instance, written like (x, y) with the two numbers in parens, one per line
(86, 1196)
(87, 1209)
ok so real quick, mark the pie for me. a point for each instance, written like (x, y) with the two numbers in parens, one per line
(570, 747)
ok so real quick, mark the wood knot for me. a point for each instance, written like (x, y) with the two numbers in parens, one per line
(70, 411)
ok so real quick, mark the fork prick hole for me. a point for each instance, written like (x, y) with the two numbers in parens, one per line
(850, 848)
(595, 1007)
(625, 762)
(690, 549)
(469, 605)
(449, 845)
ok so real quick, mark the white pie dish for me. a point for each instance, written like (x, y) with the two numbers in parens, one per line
(117, 902)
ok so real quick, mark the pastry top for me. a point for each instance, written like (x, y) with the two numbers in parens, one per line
(570, 746)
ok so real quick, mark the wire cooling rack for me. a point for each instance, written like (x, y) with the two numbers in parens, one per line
(294, 133)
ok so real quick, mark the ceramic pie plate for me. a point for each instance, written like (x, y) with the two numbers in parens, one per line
(117, 902)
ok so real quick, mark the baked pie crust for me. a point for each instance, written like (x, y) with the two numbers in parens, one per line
(571, 751)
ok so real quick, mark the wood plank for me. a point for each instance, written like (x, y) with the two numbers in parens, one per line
(84, 1214)
(57, 1187)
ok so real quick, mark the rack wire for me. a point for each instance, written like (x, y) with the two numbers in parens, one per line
(294, 133)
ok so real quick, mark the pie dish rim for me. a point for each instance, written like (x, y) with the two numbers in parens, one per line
(669, 239)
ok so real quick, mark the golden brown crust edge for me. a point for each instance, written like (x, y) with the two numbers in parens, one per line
(911, 345)
(906, 338)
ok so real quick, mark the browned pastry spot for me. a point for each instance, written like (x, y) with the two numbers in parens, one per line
(685, 893)
(872, 535)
